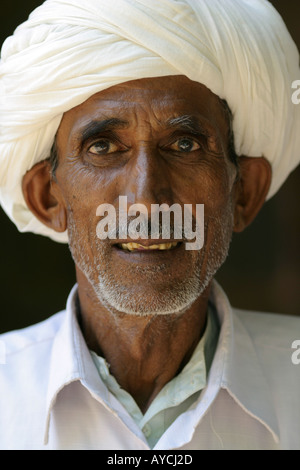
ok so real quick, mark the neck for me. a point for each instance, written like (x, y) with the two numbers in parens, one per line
(144, 352)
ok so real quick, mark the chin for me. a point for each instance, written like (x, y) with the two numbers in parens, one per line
(148, 301)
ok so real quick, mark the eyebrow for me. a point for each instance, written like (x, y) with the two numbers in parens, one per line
(96, 127)
(188, 123)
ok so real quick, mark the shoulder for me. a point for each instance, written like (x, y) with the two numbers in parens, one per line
(26, 354)
(24, 376)
(271, 329)
(19, 341)
(275, 343)
(268, 349)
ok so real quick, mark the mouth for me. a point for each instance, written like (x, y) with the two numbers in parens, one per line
(132, 246)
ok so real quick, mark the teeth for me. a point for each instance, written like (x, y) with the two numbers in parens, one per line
(137, 246)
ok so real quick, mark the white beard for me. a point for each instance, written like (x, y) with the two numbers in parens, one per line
(116, 296)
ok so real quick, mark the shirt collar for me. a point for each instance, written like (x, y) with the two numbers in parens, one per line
(235, 366)
(70, 360)
(190, 380)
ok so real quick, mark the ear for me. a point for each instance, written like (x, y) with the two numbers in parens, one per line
(252, 190)
(43, 197)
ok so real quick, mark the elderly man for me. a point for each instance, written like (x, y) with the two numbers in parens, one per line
(183, 104)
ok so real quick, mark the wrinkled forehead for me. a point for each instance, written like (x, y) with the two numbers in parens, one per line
(159, 99)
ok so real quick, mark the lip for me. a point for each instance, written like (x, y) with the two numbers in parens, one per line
(146, 242)
(155, 256)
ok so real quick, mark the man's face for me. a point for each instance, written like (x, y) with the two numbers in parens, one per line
(155, 141)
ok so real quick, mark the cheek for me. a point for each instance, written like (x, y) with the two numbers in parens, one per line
(85, 189)
(210, 184)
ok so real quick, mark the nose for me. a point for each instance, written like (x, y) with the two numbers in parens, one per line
(148, 179)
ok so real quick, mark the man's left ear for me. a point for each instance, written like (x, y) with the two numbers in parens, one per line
(44, 198)
(252, 189)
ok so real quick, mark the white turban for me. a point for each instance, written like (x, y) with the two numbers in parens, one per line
(70, 49)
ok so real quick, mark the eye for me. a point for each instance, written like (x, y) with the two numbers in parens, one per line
(103, 147)
(185, 144)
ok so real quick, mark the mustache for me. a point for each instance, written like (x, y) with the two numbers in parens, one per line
(145, 228)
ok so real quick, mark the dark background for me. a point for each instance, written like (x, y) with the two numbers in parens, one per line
(261, 273)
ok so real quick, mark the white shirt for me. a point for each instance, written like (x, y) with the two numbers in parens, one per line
(52, 396)
(177, 395)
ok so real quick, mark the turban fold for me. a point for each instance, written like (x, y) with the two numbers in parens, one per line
(69, 50)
